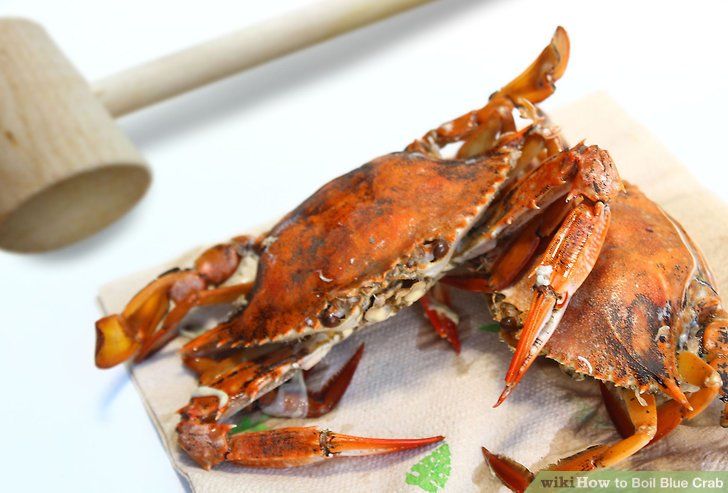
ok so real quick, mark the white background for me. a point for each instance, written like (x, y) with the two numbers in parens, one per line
(250, 148)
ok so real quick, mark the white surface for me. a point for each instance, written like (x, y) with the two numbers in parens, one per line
(251, 148)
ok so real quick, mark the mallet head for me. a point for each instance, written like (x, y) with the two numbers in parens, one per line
(66, 169)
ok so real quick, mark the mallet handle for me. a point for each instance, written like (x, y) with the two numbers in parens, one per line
(196, 66)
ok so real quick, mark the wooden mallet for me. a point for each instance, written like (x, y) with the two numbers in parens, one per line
(66, 169)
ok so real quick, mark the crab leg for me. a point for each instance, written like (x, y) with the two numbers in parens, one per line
(514, 256)
(644, 422)
(644, 419)
(613, 404)
(481, 129)
(513, 260)
(574, 248)
(238, 378)
(567, 262)
(513, 475)
(670, 414)
(576, 186)
(135, 329)
(325, 399)
(715, 342)
(436, 305)
(232, 384)
(317, 402)
(208, 442)
(292, 447)
(118, 337)
(237, 382)
(168, 329)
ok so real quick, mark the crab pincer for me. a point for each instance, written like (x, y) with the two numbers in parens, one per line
(209, 444)
(590, 179)
(152, 317)
(229, 387)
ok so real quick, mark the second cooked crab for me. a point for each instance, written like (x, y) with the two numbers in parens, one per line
(647, 323)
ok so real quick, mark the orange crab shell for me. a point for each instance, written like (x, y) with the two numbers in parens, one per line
(624, 324)
(357, 235)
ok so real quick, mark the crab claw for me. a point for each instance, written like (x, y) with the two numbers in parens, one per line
(567, 262)
(291, 447)
(536, 83)
(208, 445)
(152, 317)
(119, 336)
(348, 445)
(169, 327)
(324, 400)
(115, 343)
